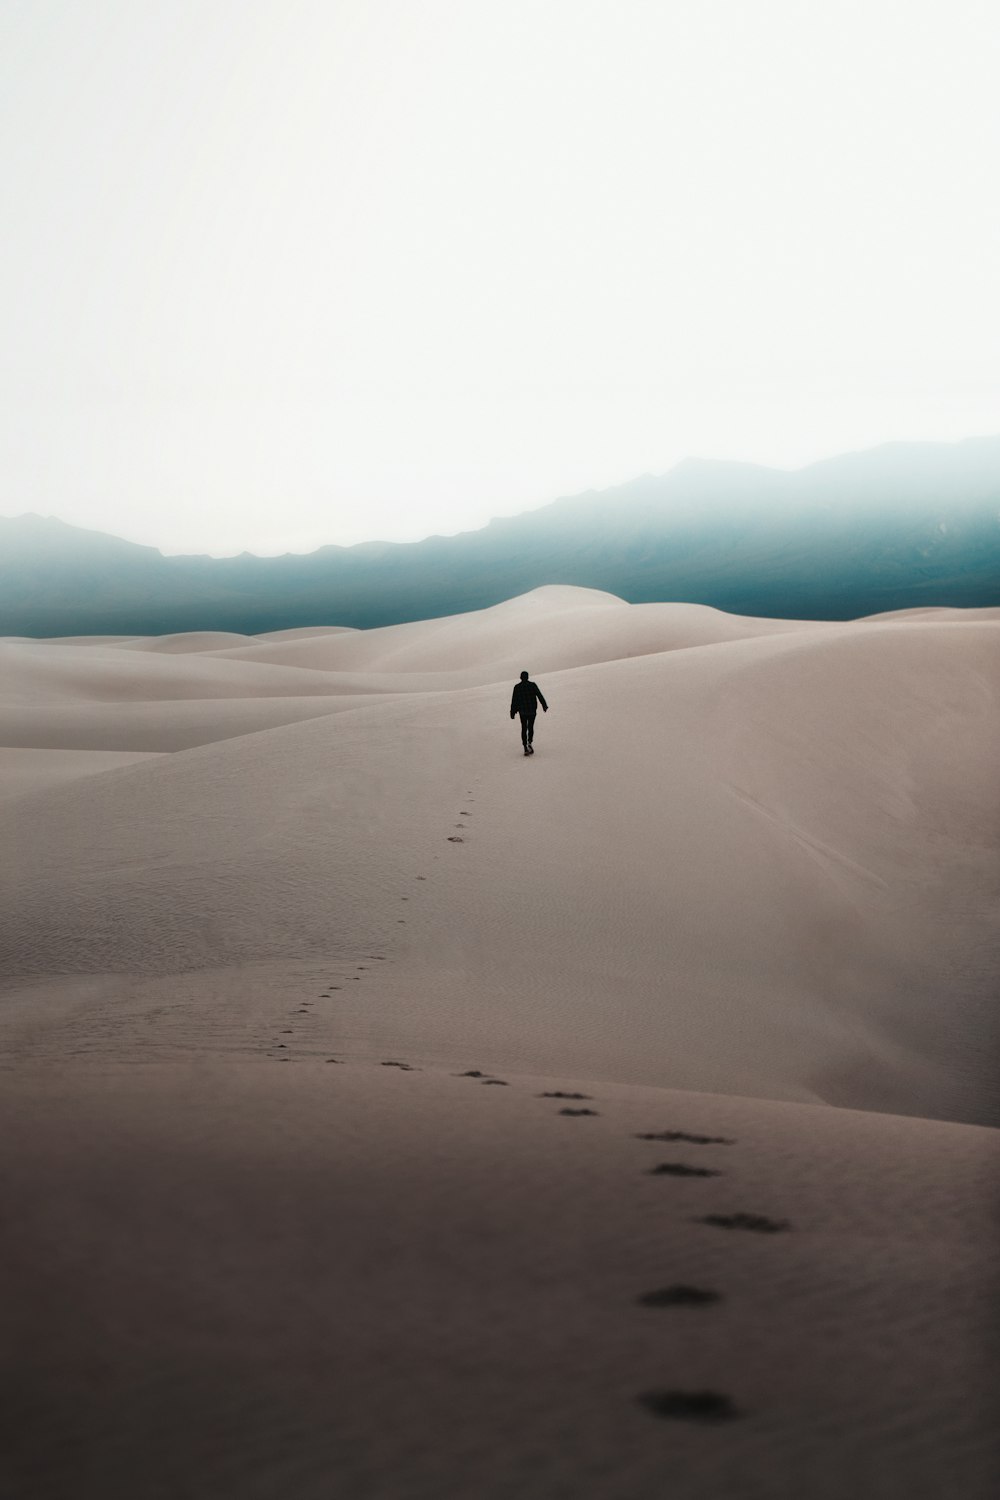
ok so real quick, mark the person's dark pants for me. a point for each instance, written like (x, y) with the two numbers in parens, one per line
(527, 728)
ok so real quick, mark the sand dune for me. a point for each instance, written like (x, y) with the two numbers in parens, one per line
(302, 632)
(68, 640)
(25, 771)
(782, 837)
(185, 643)
(750, 874)
(171, 724)
(939, 615)
(555, 627)
(120, 674)
(319, 1280)
(153, 705)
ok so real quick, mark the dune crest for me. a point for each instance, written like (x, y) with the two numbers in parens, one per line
(733, 828)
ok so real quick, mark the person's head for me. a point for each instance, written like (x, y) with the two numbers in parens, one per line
(524, 676)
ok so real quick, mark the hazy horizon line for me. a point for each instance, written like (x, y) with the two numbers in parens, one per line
(688, 459)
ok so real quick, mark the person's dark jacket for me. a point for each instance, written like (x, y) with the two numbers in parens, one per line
(525, 698)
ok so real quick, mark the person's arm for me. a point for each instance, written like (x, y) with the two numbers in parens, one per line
(513, 702)
(541, 699)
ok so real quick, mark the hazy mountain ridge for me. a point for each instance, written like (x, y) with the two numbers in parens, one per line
(901, 526)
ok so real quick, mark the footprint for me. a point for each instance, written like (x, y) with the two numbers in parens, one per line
(421, 877)
(691, 1406)
(502, 1081)
(472, 1073)
(335, 1059)
(406, 1067)
(746, 1221)
(579, 1111)
(678, 1296)
(463, 814)
(681, 1169)
(287, 1030)
(558, 1094)
(455, 839)
(682, 1135)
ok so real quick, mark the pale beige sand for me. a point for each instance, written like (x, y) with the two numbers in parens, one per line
(149, 727)
(314, 1280)
(755, 866)
(69, 640)
(751, 862)
(939, 614)
(118, 673)
(300, 632)
(554, 627)
(26, 771)
(186, 643)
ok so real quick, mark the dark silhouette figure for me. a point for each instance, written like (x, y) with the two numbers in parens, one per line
(524, 701)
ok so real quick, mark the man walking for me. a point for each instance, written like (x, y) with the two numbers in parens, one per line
(524, 701)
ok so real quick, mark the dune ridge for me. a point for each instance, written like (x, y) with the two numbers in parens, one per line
(785, 833)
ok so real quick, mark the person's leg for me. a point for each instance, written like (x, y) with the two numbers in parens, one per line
(531, 728)
(524, 730)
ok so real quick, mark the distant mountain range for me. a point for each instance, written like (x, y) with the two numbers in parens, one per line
(896, 527)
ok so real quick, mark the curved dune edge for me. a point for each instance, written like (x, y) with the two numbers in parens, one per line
(753, 863)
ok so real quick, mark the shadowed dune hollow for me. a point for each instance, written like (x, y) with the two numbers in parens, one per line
(744, 899)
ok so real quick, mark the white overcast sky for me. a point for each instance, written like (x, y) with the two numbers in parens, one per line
(275, 273)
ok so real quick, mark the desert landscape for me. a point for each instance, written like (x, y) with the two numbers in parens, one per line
(655, 1151)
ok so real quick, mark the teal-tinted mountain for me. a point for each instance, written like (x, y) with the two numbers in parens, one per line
(897, 527)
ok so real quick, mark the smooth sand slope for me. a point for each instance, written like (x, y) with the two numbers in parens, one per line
(762, 865)
(750, 874)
